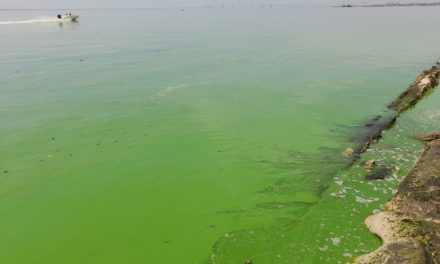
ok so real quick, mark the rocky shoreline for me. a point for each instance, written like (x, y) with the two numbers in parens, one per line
(410, 226)
(371, 131)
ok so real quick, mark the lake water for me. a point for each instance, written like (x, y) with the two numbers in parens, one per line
(202, 135)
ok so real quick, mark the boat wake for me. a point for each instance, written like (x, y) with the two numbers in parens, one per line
(32, 21)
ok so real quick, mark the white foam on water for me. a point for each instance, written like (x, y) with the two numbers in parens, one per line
(34, 21)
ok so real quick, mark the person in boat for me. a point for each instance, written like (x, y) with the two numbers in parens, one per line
(59, 16)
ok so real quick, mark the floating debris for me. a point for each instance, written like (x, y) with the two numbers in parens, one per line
(324, 248)
(335, 240)
(379, 174)
(369, 164)
(347, 255)
(348, 153)
(364, 200)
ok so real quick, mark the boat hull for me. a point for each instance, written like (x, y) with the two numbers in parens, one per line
(69, 18)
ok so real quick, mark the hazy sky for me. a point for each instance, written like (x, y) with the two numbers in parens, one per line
(66, 4)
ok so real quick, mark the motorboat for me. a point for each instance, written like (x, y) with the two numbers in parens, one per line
(68, 18)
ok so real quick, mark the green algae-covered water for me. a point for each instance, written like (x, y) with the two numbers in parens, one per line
(202, 135)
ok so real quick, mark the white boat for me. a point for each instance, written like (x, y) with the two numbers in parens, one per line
(69, 18)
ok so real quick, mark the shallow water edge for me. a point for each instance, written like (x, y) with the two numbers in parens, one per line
(409, 228)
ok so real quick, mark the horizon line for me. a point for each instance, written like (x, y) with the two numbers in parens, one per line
(266, 6)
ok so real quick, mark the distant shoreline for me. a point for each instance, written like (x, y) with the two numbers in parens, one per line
(392, 5)
(267, 6)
